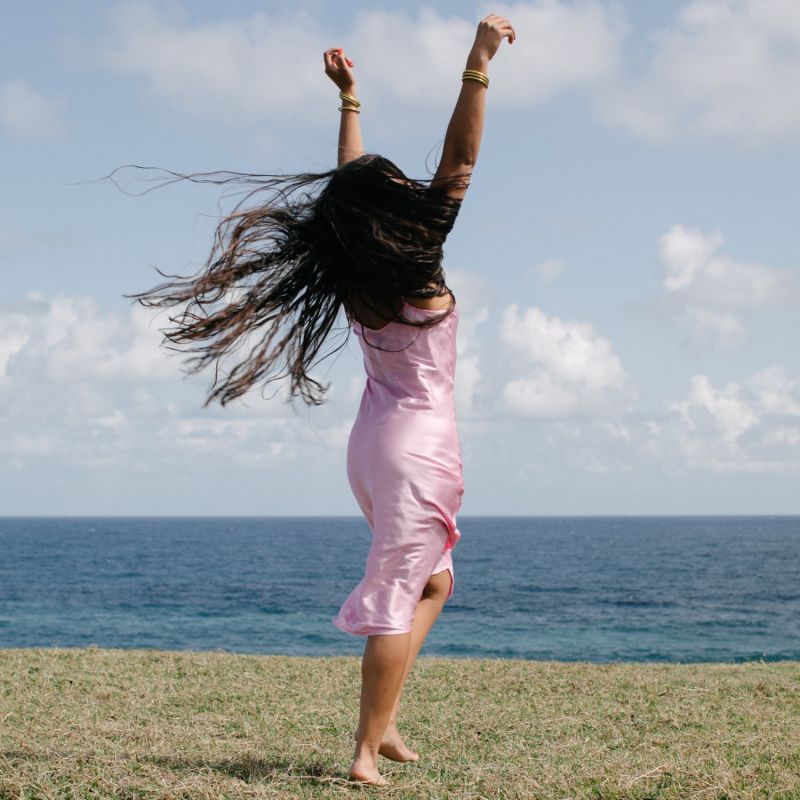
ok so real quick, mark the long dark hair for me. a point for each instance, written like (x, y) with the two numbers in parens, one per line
(284, 269)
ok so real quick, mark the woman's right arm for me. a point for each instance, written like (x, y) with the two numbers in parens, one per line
(463, 138)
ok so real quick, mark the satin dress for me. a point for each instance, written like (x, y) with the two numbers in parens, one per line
(404, 467)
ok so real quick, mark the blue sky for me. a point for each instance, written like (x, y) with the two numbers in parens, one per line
(625, 259)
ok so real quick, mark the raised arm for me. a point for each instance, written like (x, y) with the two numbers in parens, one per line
(463, 138)
(339, 69)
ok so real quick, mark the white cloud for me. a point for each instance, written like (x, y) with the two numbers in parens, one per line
(68, 337)
(230, 66)
(473, 296)
(684, 252)
(692, 270)
(28, 114)
(566, 367)
(776, 392)
(218, 68)
(706, 289)
(783, 436)
(726, 70)
(468, 369)
(749, 426)
(727, 411)
(560, 46)
(743, 426)
(83, 387)
(706, 327)
(11, 343)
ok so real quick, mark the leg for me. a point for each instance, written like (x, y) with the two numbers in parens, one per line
(428, 609)
(382, 672)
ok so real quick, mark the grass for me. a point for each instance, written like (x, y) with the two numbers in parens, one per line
(94, 723)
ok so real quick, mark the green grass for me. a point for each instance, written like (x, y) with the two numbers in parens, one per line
(93, 723)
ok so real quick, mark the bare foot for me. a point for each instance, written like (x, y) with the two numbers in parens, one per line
(393, 746)
(364, 772)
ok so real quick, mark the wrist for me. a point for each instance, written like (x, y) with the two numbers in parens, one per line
(477, 59)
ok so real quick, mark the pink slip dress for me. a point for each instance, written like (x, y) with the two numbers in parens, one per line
(404, 468)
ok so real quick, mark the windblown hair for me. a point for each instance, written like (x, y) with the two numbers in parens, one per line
(284, 269)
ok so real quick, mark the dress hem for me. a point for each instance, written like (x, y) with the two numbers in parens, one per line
(373, 630)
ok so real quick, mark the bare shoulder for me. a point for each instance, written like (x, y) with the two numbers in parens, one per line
(431, 303)
(369, 316)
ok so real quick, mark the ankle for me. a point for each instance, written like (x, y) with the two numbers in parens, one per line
(367, 752)
(391, 725)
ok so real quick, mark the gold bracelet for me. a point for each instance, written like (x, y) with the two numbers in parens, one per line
(349, 108)
(347, 96)
(475, 75)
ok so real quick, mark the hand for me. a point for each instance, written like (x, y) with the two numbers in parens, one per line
(338, 69)
(491, 32)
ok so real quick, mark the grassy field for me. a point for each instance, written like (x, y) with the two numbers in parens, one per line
(93, 723)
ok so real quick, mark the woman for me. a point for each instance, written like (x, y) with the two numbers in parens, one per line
(371, 242)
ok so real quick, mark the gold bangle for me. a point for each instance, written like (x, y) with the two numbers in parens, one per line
(474, 78)
(349, 108)
(347, 96)
(475, 75)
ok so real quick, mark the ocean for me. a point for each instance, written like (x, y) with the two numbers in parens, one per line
(591, 588)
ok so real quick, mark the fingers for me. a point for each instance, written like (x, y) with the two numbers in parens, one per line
(503, 25)
(335, 58)
(506, 29)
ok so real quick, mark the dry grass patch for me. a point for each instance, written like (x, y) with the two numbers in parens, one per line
(93, 723)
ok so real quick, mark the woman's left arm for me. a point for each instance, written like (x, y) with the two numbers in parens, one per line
(350, 144)
(338, 69)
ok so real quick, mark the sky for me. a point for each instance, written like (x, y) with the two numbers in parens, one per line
(625, 260)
